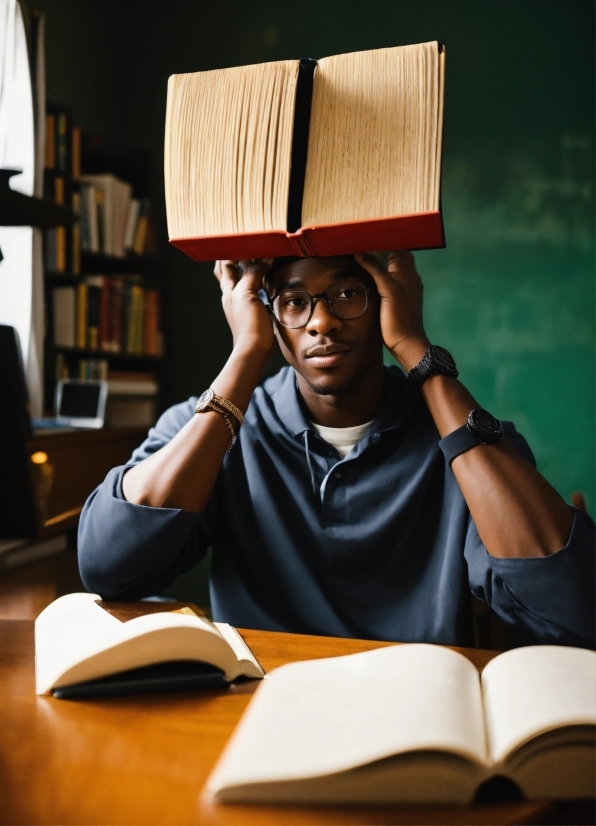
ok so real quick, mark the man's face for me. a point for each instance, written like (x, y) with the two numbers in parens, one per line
(330, 354)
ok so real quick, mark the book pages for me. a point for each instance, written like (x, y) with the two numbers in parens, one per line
(77, 640)
(228, 149)
(318, 717)
(532, 690)
(375, 134)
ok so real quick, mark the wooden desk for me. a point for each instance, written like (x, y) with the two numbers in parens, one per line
(144, 759)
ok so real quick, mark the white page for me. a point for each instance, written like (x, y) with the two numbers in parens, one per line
(238, 646)
(534, 689)
(74, 628)
(323, 716)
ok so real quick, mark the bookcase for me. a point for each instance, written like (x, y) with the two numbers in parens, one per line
(102, 273)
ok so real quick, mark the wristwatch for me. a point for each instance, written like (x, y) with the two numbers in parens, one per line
(480, 428)
(484, 426)
(209, 400)
(436, 361)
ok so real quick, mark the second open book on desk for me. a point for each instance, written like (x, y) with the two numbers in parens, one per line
(79, 642)
(414, 723)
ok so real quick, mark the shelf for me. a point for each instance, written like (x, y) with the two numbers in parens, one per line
(62, 279)
(106, 354)
(95, 263)
(18, 210)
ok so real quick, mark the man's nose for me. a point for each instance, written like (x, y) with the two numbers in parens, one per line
(322, 321)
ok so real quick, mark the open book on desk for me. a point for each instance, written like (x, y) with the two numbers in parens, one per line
(85, 647)
(415, 723)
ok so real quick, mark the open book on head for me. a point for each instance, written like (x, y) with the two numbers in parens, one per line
(85, 647)
(306, 157)
(415, 723)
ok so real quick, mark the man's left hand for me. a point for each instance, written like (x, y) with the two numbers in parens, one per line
(400, 289)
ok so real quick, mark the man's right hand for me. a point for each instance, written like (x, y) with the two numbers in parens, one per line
(248, 317)
(182, 474)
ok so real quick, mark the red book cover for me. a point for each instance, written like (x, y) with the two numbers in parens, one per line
(423, 230)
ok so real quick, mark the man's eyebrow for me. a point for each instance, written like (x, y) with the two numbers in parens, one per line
(298, 283)
(295, 284)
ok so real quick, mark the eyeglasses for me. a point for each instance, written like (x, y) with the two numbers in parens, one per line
(294, 308)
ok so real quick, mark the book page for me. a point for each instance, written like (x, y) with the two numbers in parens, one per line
(248, 661)
(532, 690)
(323, 716)
(375, 135)
(228, 149)
(77, 640)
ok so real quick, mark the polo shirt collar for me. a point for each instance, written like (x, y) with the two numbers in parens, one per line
(399, 399)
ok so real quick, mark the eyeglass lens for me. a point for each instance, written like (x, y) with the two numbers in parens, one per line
(293, 308)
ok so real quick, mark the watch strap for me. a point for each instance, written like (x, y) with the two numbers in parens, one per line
(457, 442)
(435, 361)
(209, 400)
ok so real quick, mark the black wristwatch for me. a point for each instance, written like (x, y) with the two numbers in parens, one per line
(436, 361)
(484, 426)
(480, 429)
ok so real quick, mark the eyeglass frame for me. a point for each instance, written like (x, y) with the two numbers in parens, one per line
(325, 297)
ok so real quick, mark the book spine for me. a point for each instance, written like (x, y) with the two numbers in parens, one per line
(82, 316)
(50, 141)
(60, 262)
(62, 140)
(104, 315)
(302, 107)
(76, 153)
(301, 245)
(116, 316)
(76, 235)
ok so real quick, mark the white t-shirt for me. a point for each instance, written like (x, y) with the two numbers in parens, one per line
(342, 438)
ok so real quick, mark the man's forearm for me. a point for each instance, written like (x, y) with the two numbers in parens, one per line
(182, 474)
(516, 511)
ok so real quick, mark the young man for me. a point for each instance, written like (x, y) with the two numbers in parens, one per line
(355, 501)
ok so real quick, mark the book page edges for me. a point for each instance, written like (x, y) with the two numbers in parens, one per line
(422, 230)
(115, 646)
(248, 662)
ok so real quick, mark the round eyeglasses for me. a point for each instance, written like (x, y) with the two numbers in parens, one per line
(294, 308)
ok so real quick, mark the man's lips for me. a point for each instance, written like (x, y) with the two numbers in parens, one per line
(326, 355)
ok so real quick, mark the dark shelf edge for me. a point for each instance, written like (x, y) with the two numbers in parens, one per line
(18, 210)
(101, 354)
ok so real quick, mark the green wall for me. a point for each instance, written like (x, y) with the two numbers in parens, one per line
(512, 295)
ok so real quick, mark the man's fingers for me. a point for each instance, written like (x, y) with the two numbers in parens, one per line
(255, 269)
(400, 259)
(228, 274)
(369, 263)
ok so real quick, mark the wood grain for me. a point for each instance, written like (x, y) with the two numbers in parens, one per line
(131, 760)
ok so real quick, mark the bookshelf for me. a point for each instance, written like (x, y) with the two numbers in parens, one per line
(102, 272)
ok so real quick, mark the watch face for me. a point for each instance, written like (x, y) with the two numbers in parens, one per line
(205, 399)
(485, 427)
(443, 359)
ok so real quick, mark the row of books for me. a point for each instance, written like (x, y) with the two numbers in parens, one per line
(112, 221)
(113, 314)
(62, 186)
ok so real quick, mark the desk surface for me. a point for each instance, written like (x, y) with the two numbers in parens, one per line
(145, 759)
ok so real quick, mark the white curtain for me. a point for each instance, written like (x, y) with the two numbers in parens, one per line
(21, 271)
